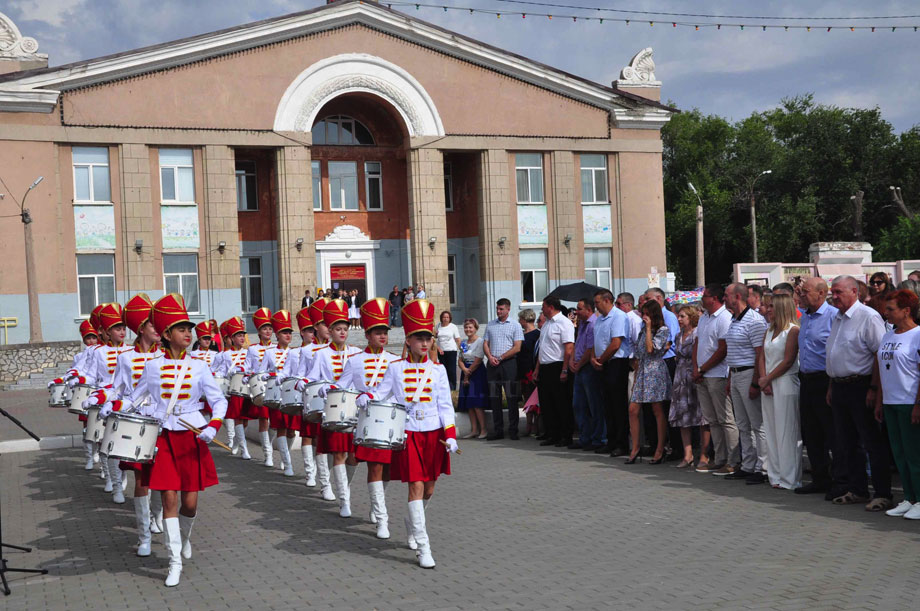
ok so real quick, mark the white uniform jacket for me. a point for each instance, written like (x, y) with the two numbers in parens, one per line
(226, 362)
(274, 360)
(430, 408)
(128, 371)
(365, 371)
(100, 369)
(254, 357)
(207, 356)
(329, 363)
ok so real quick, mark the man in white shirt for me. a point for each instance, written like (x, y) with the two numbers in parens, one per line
(557, 345)
(856, 333)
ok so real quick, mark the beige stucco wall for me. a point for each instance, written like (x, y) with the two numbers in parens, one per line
(296, 268)
(220, 219)
(641, 193)
(427, 220)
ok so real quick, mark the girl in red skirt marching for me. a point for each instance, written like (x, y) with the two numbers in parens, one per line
(90, 340)
(183, 466)
(298, 359)
(423, 388)
(271, 367)
(309, 431)
(227, 363)
(262, 319)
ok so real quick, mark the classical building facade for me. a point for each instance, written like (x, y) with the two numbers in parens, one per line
(345, 146)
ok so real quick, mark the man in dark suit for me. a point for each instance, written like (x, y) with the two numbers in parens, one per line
(307, 300)
(396, 302)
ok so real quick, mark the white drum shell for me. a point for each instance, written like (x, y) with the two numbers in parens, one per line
(341, 410)
(224, 385)
(291, 398)
(381, 426)
(313, 404)
(81, 393)
(237, 387)
(60, 395)
(272, 398)
(257, 390)
(130, 437)
(95, 427)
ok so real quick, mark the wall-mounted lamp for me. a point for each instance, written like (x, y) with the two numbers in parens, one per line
(567, 239)
(432, 241)
(221, 247)
(138, 246)
(348, 254)
(298, 244)
(501, 241)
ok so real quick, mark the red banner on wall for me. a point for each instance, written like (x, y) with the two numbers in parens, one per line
(347, 272)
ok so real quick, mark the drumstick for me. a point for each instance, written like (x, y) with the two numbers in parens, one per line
(197, 430)
(444, 443)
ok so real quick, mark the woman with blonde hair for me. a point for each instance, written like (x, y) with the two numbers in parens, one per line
(779, 384)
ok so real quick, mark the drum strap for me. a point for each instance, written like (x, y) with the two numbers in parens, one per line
(186, 362)
(378, 366)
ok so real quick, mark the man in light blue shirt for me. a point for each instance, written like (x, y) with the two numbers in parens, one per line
(611, 357)
(816, 415)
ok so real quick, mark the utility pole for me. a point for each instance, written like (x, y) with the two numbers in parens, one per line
(700, 259)
(754, 214)
(35, 321)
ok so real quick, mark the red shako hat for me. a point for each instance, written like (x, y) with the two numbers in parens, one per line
(94, 317)
(203, 329)
(335, 311)
(418, 317)
(232, 326)
(261, 317)
(375, 313)
(137, 311)
(281, 321)
(111, 315)
(87, 328)
(316, 310)
(303, 319)
(168, 312)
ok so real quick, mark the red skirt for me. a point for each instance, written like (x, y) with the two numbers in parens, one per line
(293, 422)
(81, 418)
(276, 419)
(423, 459)
(235, 408)
(309, 429)
(183, 463)
(331, 441)
(254, 412)
(373, 455)
(131, 466)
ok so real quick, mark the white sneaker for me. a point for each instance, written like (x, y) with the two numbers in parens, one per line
(914, 513)
(902, 508)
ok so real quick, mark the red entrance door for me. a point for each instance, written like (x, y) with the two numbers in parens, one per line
(350, 277)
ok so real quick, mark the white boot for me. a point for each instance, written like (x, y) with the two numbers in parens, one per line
(340, 479)
(185, 527)
(410, 536)
(107, 474)
(286, 461)
(379, 508)
(142, 514)
(230, 425)
(322, 476)
(241, 444)
(417, 519)
(88, 452)
(273, 435)
(174, 549)
(309, 464)
(156, 512)
(267, 449)
(119, 481)
(95, 452)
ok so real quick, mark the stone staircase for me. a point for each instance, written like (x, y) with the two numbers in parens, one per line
(38, 380)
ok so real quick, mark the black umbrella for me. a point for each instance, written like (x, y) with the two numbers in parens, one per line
(574, 291)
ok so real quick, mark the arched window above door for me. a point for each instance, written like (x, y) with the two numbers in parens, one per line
(341, 130)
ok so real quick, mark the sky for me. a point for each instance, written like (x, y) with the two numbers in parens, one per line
(728, 72)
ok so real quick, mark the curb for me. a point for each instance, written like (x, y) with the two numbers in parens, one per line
(54, 442)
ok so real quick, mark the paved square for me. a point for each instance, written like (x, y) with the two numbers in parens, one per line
(515, 527)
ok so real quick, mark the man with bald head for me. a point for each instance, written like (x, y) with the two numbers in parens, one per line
(816, 416)
(856, 333)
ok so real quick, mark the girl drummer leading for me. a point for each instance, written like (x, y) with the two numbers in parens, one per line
(183, 466)
(430, 432)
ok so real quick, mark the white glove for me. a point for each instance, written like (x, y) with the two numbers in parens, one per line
(452, 446)
(265, 377)
(300, 385)
(323, 391)
(91, 401)
(245, 379)
(207, 434)
(105, 410)
(51, 383)
(362, 400)
(73, 382)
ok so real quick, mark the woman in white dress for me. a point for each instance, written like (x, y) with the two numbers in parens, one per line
(780, 388)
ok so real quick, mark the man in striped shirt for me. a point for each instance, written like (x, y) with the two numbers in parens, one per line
(744, 341)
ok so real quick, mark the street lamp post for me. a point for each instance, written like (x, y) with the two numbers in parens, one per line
(700, 260)
(35, 322)
(754, 214)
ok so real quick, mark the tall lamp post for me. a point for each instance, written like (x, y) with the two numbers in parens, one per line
(700, 260)
(754, 214)
(35, 322)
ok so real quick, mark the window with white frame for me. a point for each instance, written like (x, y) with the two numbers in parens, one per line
(594, 179)
(91, 174)
(448, 187)
(373, 184)
(534, 277)
(597, 267)
(180, 275)
(343, 185)
(177, 176)
(316, 170)
(341, 130)
(452, 279)
(251, 283)
(529, 177)
(247, 196)
(95, 281)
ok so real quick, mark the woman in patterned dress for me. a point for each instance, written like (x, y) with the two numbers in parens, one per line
(653, 383)
(685, 409)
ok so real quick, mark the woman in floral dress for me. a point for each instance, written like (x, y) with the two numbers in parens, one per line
(653, 383)
(685, 409)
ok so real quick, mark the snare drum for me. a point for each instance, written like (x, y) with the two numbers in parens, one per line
(313, 404)
(341, 411)
(81, 393)
(272, 393)
(95, 426)
(60, 395)
(238, 388)
(257, 390)
(291, 398)
(224, 384)
(130, 437)
(381, 426)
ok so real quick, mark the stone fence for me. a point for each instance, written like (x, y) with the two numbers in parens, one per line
(17, 361)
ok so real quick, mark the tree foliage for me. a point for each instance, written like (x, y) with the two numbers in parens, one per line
(819, 157)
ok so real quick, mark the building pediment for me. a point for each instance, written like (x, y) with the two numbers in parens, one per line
(34, 89)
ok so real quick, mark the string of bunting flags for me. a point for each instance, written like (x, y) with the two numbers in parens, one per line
(697, 25)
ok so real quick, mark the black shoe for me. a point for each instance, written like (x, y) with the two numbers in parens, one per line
(833, 493)
(617, 452)
(591, 447)
(755, 478)
(632, 460)
(513, 436)
(495, 437)
(561, 444)
(657, 461)
(543, 437)
(739, 475)
(574, 446)
(812, 488)
(604, 449)
(548, 442)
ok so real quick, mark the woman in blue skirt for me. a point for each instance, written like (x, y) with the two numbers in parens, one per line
(473, 396)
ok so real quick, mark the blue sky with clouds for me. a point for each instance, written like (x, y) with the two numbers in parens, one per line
(727, 72)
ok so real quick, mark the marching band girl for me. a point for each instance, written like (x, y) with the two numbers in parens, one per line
(226, 364)
(205, 333)
(262, 319)
(363, 373)
(292, 367)
(328, 364)
(90, 339)
(309, 431)
(423, 388)
(183, 466)
(271, 366)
